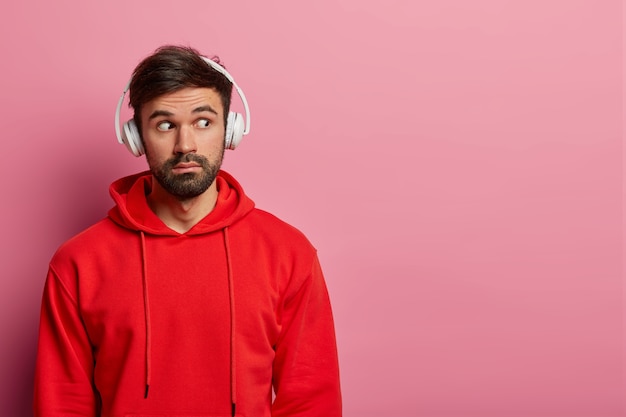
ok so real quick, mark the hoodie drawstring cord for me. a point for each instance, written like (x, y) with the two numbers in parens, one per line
(231, 296)
(146, 308)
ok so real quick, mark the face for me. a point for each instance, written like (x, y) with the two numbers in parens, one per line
(183, 136)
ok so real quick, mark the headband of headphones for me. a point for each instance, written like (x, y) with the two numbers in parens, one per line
(128, 134)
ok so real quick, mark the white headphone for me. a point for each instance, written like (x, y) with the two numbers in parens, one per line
(235, 129)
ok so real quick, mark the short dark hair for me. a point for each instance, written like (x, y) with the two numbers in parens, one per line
(171, 68)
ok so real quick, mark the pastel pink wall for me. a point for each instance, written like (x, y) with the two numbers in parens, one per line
(457, 163)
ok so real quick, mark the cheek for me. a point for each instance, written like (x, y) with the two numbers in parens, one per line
(212, 143)
(156, 147)
(152, 162)
(155, 157)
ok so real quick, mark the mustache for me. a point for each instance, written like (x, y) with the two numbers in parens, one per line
(188, 157)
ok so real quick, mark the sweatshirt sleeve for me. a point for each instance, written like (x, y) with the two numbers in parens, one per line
(306, 371)
(64, 367)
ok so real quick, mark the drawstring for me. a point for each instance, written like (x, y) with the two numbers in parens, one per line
(231, 297)
(146, 308)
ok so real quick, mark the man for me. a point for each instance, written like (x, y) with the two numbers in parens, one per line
(185, 300)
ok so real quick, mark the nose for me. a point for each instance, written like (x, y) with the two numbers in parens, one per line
(185, 140)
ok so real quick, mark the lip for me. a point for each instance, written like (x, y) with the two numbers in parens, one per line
(186, 167)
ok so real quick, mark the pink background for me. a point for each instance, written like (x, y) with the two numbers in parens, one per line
(458, 164)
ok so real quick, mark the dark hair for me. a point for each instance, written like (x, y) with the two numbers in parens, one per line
(171, 68)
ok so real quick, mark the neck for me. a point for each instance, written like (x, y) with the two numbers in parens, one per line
(181, 214)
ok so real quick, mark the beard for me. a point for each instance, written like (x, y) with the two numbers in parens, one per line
(188, 185)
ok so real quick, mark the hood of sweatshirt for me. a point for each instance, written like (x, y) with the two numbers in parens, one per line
(132, 211)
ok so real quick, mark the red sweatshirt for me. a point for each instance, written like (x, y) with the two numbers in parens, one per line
(140, 320)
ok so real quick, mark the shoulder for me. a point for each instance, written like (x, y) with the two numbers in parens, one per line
(272, 242)
(265, 242)
(101, 236)
(268, 226)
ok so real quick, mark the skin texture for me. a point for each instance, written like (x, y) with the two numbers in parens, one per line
(183, 135)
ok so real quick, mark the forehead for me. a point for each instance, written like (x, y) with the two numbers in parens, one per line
(184, 101)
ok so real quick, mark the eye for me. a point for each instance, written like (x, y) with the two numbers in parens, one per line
(202, 123)
(164, 126)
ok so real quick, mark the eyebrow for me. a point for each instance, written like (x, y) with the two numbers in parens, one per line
(158, 113)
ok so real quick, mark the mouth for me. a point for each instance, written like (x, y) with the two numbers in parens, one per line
(187, 165)
(184, 167)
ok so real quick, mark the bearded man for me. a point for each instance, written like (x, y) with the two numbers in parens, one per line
(186, 300)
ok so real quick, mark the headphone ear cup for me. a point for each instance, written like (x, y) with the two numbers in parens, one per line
(132, 138)
(234, 130)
